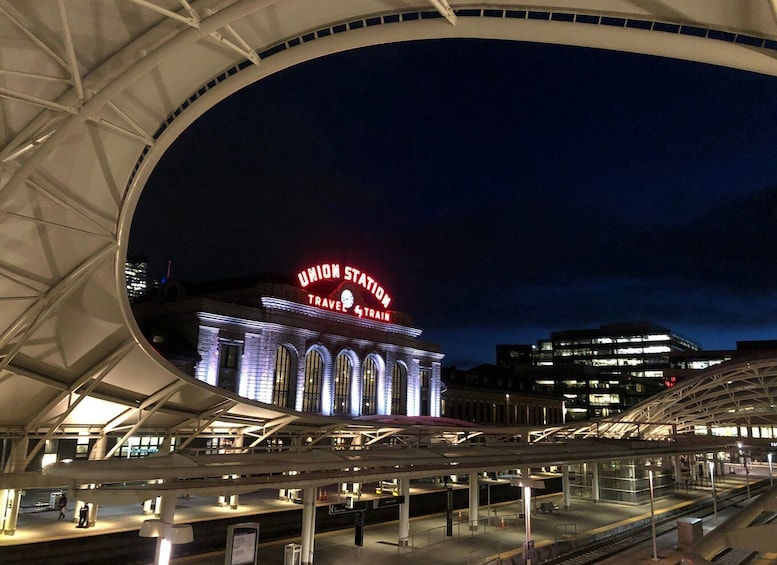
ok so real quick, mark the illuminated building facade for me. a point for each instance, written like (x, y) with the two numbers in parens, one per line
(325, 343)
(488, 394)
(601, 371)
(136, 277)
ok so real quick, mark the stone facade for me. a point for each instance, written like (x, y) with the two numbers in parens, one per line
(262, 341)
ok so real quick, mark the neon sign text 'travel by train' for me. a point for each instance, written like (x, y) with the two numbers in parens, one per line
(358, 310)
(334, 272)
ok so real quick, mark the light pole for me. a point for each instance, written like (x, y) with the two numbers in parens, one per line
(714, 492)
(771, 479)
(652, 515)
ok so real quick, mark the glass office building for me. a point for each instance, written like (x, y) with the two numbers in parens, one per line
(602, 371)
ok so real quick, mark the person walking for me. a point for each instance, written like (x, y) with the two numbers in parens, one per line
(62, 505)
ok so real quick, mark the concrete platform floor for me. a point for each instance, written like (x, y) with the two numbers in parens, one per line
(502, 535)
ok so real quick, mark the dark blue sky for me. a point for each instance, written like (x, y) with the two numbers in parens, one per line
(499, 190)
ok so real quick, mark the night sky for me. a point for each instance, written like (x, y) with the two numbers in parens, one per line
(499, 191)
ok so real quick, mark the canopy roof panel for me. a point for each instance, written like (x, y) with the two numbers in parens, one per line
(93, 92)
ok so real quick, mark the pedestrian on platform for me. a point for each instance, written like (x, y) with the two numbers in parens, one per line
(83, 516)
(62, 506)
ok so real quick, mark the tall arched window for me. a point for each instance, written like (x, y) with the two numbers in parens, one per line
(399, 389)
(282, 377)
(426, 375)
(342, 386)
(370, 387)
(314, 373)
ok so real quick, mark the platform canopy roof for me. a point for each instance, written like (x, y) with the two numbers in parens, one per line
(92, 93)
(741, 392)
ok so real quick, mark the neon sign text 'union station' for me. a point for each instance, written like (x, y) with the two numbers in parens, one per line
(332, 271)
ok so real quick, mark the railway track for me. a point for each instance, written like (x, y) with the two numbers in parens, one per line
(616, 544)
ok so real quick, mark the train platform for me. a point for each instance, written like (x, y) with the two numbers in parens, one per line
(499, 540)
(500, 533)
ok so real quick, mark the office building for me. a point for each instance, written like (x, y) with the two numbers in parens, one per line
(136, 277)
(489, 394)
(599, 372)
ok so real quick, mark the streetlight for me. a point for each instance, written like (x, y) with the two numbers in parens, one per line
(714, 492)
(652, 515)
(771, 479)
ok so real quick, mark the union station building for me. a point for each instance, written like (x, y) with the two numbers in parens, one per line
(324, 342)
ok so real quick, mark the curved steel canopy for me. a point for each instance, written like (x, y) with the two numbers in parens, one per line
(93, 92)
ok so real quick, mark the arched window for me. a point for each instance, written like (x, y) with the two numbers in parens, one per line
(399, 389)
(342, 386)
(425, 375)
(314, 373)
(370, 387)
(282, 377)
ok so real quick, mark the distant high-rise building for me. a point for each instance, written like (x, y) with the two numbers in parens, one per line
(136, 276)
(599, 372)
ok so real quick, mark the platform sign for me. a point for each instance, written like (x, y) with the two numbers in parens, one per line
(242, 544)
(358, 532)
(339, 509)
(345, 508)
(389, 501)
(449, 511)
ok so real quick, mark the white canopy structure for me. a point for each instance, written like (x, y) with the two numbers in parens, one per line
(92, 93)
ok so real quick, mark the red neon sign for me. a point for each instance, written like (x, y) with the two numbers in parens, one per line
(347, 296)
(333, 272)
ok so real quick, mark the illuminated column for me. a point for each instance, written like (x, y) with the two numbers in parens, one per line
(356, 387)
(714, 492)
(327, 392)
(567, 498)
(595, 482)
(308, 524)
(163, 542)
(434, 390)
(474, 500)
(91, 518)
(97, 453)
(11, 498)
(253, 372)
(404, 512)
(300, 388)
(413, 388)
(381, 388)
(207, 370)
(9, 513)
(391, 359)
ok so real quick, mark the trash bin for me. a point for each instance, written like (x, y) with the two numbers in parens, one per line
(689, 531)
(292, 554)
